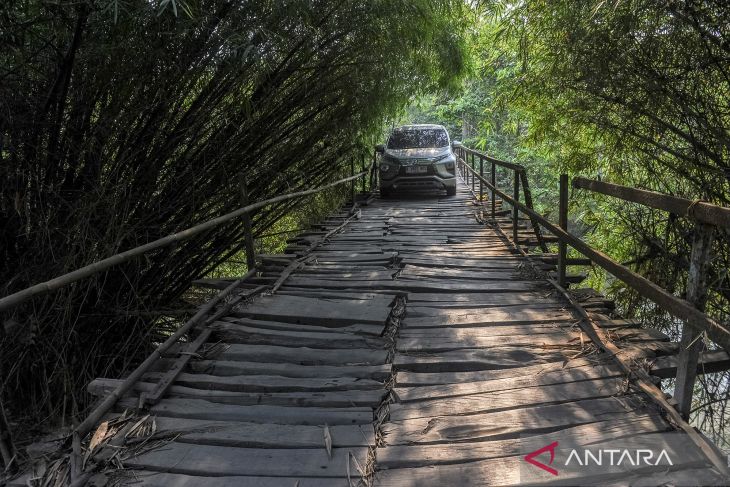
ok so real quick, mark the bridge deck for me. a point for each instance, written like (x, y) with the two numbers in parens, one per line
(419, 344)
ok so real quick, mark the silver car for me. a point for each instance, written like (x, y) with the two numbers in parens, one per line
(418, 157)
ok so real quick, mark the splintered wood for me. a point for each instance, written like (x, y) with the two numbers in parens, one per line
(319, 384)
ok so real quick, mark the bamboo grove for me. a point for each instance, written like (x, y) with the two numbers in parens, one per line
(123, 121)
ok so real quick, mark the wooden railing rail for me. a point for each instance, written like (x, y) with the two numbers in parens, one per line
(19, 297)
(690, 310)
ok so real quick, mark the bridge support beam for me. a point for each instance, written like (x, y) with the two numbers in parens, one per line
(691, 343)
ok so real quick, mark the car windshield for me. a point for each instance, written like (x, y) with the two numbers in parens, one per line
(418, 139)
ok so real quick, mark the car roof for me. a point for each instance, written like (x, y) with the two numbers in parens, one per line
(419, 126)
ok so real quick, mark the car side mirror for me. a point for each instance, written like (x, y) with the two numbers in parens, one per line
(456, 144)
(380, 148)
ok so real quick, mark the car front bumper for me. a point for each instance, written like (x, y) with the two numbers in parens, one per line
(418, 183)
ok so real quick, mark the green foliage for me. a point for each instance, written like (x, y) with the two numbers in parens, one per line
(631, 92)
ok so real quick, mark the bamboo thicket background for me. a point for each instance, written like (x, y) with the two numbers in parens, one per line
(124, 121)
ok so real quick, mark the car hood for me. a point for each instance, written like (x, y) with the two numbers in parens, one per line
(417, 153)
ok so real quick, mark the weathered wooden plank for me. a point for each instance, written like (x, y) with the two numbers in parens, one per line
(357, 329)
(409, 379)
(147, 478)
(422, 285)
(494, 401)
(230, 367)
(475, 359)
(270, 383)
(202, 409)
(478, 299)
(320, 312)
(457, 342)
(238, 333)
(225, 461)
(510, 423)
(302, 355)
(505, 471)
(254, 435)
(576, 374)
(328, 399)
(489, 274)
(406, 456)
(716, 361)
(490, 316)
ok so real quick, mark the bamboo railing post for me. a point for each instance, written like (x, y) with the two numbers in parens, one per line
(481, 184)
(563, 222)
(247, 227)
(691, 343)
(353, 183)
(515, 207)
(493, 176)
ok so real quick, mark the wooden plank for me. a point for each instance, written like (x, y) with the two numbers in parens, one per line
(475, 359)
(505, 471)
(358, 329)
(412, 272)
(494, 401)
(253, 435)
(231, 332)
(457, 342)
(575, 374)
(230, 367)
(481, 299)
(224, 461)
(490, 316)
(407, 456)
(320, 312)
(510, 423)
(420, 285)
(409, 379)
(328, 399)
(302, 355)
(147, 478)
(270, 383)
(208, 410)
(716, 361)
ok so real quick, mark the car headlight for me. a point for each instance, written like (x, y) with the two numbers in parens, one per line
(449, 165)
(441, 157)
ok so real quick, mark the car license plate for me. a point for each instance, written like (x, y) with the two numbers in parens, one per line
(416, 170)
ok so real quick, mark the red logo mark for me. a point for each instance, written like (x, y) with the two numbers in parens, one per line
(530, 457)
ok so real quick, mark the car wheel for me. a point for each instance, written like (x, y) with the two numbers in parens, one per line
(385, 193)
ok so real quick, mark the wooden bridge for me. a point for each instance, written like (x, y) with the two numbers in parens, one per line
(401, 342)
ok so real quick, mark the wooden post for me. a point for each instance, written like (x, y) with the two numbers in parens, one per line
(563, 222)
(247, 227)
(353, 183)
(493, 177)
(515, 210)
(362, 179)
(473, 176)
(481, 184)
(691, 343)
